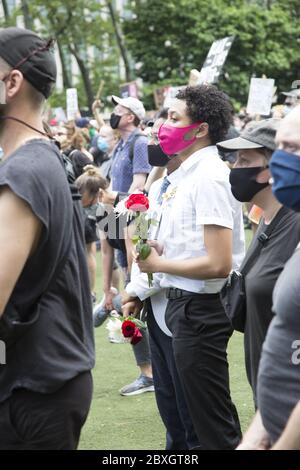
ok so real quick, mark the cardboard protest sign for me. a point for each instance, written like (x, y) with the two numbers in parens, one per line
(215, 60)
(72, 103)
(129, 89)
(260, 96)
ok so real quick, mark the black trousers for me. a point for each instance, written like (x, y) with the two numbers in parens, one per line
(169, 395)
(36, 421)
(200, 335)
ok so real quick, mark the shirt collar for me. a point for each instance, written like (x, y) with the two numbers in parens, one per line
(199, 155)
(174, 176)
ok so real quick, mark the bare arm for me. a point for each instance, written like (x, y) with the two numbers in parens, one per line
(20, 231)
(128, 234)
(290, 438)
(256, 437)
(156, 173)
(107, 266)
(96, 111)
(138, 182)
(216, 264)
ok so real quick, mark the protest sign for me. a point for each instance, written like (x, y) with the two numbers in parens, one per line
(72, 103)
(260, 96)
(129, 89)
(215, 60)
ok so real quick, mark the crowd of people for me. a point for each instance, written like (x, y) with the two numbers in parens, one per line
(200, 165)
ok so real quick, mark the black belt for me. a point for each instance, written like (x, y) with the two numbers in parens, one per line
(174, 293)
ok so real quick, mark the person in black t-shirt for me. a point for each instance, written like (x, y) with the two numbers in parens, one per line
(250, 183)
(45, 305)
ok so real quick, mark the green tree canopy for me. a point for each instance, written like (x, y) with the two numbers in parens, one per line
(170, 38)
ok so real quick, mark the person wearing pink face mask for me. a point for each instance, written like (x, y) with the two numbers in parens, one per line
(203, 241)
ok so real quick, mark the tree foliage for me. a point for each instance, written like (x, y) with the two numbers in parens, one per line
(162, 41)
(170, 38)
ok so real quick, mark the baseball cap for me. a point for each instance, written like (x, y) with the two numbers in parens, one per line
(24, 50)
(135, 105)
(294, 93)
(82, 122)
(261, 135)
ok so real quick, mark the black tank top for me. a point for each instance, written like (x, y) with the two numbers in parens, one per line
(59, 344)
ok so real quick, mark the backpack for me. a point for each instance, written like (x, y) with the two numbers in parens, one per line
(132, 145)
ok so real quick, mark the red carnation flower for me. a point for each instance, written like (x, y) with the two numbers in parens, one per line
(137, 203)
(137, 336)
(128, 328)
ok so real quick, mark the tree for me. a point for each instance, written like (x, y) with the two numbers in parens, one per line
(5, 10)
(120, 39)
(26, 14)
(78, 28)
(170, 38)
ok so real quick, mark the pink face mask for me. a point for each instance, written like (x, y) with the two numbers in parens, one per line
(173, 139)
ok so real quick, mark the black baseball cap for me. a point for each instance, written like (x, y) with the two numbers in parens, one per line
(24, 50)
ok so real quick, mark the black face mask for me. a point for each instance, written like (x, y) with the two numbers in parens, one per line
(156, 156)
(243, 183)
(114, 120)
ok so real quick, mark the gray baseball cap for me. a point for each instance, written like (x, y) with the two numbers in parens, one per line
(135, 105)
(294, 93)
(261, 135)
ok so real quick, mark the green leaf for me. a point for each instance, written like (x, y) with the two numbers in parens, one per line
(135, 239)
(152, 222)
(145, 251)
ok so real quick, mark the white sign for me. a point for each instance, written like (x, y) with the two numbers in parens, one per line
(170, 94)
(72, 103)
(215, 60)
(260, 96)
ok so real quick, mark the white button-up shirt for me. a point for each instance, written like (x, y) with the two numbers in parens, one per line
(203, 197)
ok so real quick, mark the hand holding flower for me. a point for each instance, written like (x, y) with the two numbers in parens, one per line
(151, 264)
(158, 246)
(132, 308)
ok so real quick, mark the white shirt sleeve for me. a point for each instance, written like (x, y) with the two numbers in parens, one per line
(213, 202)
(139, 286)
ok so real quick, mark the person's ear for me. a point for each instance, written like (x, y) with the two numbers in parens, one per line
(202, 130)
(130, 118)
(263, 176)
(14, 83)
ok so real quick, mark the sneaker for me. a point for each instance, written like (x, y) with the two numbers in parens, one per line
(141, 385)
(100, 314)
(115, 340)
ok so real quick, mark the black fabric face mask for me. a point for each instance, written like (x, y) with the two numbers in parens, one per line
(243, 183)
(114, 120)
(156, 156)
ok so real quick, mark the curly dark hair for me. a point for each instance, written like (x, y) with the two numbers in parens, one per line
(208, 104)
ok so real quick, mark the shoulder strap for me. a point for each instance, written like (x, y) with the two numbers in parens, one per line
(132, 145)
(262, 240)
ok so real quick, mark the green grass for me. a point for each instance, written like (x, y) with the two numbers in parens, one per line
(133, 423)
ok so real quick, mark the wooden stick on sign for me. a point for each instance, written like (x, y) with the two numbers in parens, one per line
(100, 89)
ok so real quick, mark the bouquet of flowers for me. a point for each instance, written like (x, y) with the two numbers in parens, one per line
(126, 330)
(137, 205)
